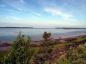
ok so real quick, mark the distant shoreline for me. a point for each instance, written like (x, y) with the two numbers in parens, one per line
(4, 45)
(46, 28)
(16, 27)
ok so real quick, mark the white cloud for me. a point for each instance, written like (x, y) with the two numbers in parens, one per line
(53, 11)
(58, 12)
(67, 16)
(15, 4)
(12, 18)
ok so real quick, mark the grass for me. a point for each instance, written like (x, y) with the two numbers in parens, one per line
(59, 53)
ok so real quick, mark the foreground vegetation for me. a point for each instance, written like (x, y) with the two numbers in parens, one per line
(48, 51)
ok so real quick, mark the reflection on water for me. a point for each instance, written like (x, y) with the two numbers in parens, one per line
(35, 34)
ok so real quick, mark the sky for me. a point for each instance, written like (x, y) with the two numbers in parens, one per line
(43, 13)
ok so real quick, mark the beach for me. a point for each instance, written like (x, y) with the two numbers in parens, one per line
(5, 45)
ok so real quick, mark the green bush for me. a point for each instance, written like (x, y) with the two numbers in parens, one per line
(21, 52)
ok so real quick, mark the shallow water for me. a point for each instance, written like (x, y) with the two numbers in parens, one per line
(8, 34)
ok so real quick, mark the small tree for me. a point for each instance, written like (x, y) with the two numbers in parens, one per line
(46, 49)
(46, 42)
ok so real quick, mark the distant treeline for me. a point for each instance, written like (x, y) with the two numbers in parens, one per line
(69, 28)
(16, 27)
(47, 28)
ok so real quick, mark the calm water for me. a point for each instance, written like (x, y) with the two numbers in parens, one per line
(8, 34)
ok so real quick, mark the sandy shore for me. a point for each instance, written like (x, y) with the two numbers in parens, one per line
(4, 45)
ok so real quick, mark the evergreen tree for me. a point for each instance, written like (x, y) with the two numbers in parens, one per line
(46, 49)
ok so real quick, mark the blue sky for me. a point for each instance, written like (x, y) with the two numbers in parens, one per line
(43, 13)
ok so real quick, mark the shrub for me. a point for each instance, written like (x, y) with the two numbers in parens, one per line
(21, 52)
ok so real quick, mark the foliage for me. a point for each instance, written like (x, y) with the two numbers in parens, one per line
(21, 52)
(74, 56)
(46, 49)
(62, 60)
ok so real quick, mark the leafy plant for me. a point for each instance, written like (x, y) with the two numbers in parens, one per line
(21, 52)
